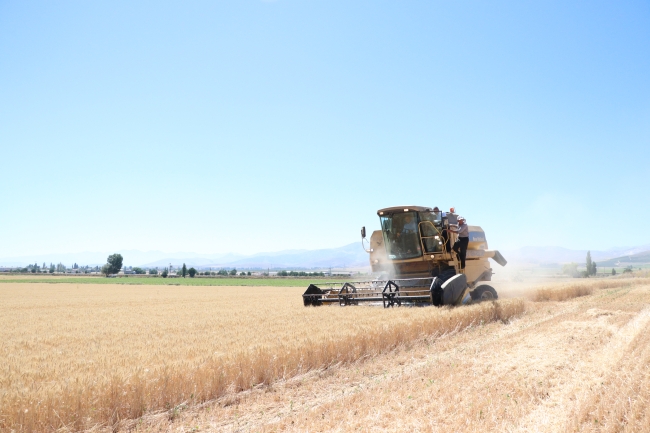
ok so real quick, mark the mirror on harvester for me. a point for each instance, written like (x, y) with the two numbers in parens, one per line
(363, 232)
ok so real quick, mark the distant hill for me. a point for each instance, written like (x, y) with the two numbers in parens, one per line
(631, 260)
(351, 255)
(131, 258)
(558, 255)
(348, 256)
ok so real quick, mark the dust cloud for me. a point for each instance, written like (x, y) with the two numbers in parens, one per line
(520, 280)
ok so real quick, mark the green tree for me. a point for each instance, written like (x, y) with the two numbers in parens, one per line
(164, 273)
(139, 271)
(233, 272)
(192, 272)
(114, 263)
(613, 271)
(570, 269)
(594, 268)
(589, 263)
(184, 270)
(52, 268)
(153, 271)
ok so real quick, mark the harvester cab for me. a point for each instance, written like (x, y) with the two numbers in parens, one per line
(413, 256)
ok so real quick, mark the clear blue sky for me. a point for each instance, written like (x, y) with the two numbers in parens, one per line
(257, 126)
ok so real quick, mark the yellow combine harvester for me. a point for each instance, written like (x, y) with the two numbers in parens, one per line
(412, 253)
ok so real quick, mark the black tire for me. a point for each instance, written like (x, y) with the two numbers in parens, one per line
(484, 293)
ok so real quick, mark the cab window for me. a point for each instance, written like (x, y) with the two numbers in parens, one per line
(401, 235)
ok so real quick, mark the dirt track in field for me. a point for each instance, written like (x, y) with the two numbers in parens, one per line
(579, 365)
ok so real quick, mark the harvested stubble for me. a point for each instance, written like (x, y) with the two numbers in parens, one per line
(584, 288)
(603, 407)
(572, 366)
(81, 356)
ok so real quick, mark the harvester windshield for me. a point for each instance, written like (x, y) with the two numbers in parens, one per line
(401, 235)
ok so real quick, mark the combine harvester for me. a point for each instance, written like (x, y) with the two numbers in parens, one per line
(412, 252)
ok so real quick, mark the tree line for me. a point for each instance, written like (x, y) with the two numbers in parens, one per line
(300, 274)
(115, 261)
(60, 268)
(591, 268)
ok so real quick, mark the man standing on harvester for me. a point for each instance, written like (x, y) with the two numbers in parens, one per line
(460, 246)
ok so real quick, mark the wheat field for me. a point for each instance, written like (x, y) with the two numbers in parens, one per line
(88, 357)
(576, 365)
(77, 357)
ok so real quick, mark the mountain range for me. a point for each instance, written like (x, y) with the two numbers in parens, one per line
(557, 255)
(629, 260)
(347, 256)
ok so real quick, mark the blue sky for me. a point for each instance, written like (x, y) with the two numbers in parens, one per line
(258, 126)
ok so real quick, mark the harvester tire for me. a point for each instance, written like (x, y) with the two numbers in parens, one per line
(484, 293)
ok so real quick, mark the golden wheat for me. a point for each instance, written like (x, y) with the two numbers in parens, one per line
(562, 294)
(583, 288)
(80, 356)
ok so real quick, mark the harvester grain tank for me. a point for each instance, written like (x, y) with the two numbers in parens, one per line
(412, 254)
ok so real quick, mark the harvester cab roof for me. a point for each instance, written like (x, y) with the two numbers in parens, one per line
(400, 209)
